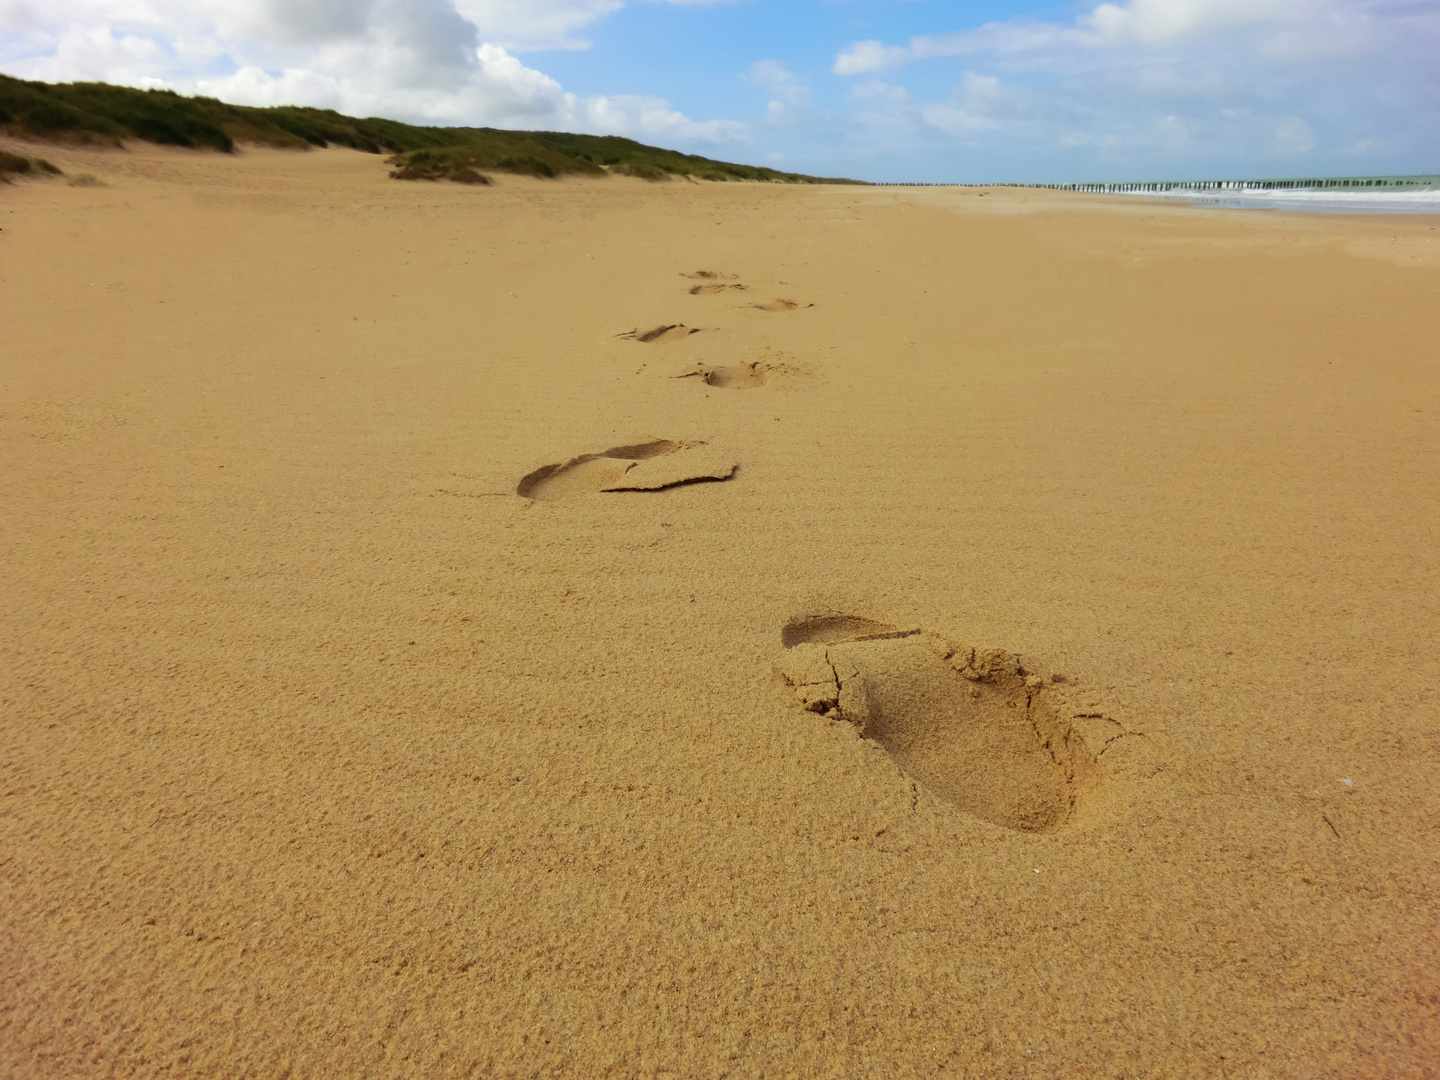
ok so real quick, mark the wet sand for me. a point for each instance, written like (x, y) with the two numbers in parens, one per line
(999, 640)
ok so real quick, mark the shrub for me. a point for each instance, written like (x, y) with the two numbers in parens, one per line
(100, 113)
(17, 165)
(641, 170)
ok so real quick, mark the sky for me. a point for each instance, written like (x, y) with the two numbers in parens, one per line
(898, 90)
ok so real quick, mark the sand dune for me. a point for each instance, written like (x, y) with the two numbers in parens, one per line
(1032, 673)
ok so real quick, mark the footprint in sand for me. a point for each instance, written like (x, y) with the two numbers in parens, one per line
(711, 289)
(779, 305)
(710, 275)
(970, 725)
(669, 332)
(650, 466)
(734, 376)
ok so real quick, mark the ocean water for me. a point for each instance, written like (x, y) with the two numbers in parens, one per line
(1425, 201)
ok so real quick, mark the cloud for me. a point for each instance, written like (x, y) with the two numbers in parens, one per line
(1296, 27)
(522, 25)
(789, 97)
(781, 83)
(650, 117)
(875, 90)
(495, 88)
(516, 25)
(973, 106)
(298, 22)
(1153, 22)
(1125, 88)
(429, 61)
(82, 52)
(1175, 86)
(866, 56)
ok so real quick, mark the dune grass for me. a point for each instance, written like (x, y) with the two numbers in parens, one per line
(98, 113)
(553, 154)
(19, 165)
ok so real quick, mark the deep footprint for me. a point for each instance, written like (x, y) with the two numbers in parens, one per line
(669, 332)
(970, 725)
(709, 290)
(733, 376)
(651, 466)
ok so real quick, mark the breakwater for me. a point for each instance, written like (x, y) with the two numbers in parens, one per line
(1345, 183)
(1332, 183)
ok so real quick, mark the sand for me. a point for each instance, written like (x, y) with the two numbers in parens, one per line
(999, 640)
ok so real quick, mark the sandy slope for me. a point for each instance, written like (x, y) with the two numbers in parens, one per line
(328, 754)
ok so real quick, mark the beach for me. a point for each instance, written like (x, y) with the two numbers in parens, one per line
(980, 632)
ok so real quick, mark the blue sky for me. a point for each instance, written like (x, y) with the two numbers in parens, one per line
(875, 89)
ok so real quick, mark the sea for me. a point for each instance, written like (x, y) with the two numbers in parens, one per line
(1325, 195)
(1319, 201)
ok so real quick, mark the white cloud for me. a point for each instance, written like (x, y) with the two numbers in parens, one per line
(521, 25)
(865, 56)
(496, 89)
(1303, 25)
(535, 24)
(650, 117)
(790, 98)
(1154, 22)
(83, 52)
(431, 61)
(513, 24)
(875, 90)
(971, 108)
(782, 83)
(295, 23)
(1179, 85)
(1125, 88)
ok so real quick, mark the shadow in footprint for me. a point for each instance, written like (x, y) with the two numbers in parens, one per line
(709, 290)
(968, 724)
(733, 376)
(651, 466)
(779, 305)
(669, 332)
(710, 275)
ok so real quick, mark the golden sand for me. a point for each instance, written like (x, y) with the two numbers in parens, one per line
(979, 634)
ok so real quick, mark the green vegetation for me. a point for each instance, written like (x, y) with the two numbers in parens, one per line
(98, 113)
(16, 165)
(552, 153)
